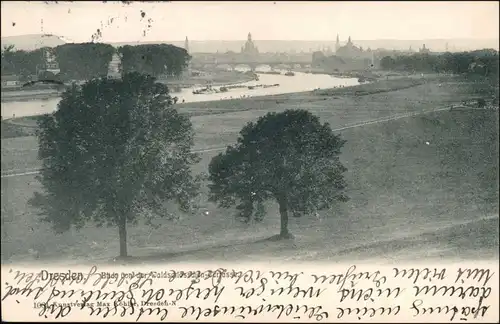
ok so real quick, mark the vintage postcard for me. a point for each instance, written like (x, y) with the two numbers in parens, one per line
(262, 161)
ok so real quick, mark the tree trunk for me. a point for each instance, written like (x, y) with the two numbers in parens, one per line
(122, 231)
(284, 233)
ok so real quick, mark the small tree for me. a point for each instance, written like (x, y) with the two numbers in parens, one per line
(289, 157)
(114, 150)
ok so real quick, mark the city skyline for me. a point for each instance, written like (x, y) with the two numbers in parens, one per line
(32, 42)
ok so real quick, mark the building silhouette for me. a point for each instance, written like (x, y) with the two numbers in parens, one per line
(424, 50)
(352, 51)
(49, 63)
(250, 48)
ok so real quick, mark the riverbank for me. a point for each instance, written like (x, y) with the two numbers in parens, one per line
(340, 74)
(20, 95)
(404, 93)
(215, 79)
(218, 78)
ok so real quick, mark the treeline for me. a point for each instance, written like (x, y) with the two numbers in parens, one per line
(154, 60)
(480, 62)
(86, 61)
(83, 61)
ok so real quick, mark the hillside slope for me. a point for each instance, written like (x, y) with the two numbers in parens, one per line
(32, 42)
(409, 200)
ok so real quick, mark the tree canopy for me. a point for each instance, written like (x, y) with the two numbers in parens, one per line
(288, 157)
(84, 61)
(481, 62)
(154, 59)
(22, 63)
(114, 150)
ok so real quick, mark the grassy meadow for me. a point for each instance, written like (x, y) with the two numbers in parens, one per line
(409, 199)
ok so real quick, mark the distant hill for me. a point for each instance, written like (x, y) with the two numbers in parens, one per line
(32, 42)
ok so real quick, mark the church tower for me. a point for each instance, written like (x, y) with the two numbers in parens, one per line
(186, 47)
(337, 44)
(424, 49)
(250, 48)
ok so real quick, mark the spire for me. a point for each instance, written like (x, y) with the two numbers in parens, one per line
(349, 40)
(337, 44)
(338, 40)
(249, 37)
(186, 45)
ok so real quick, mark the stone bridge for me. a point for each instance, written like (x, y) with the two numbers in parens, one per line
(203, 61)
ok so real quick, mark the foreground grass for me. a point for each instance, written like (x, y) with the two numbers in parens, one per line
(9, 130)
(408, 200)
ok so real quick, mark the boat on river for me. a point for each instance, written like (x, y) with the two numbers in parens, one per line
(271, 72)
(289, 73)
(208, 89)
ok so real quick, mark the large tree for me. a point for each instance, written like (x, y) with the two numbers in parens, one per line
(288, 157)
(154, 59)
(84, 61)
(114, 150)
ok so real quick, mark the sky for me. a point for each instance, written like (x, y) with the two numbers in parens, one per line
(266, 20)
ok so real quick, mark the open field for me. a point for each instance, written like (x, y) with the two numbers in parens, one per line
(414, 93)
(217, 123)
(409, 200)
(216, 78)
(399, 187)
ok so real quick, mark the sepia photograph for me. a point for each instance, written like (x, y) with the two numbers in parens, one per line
(157, 134)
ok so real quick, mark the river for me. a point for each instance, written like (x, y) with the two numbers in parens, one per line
(287, 84)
